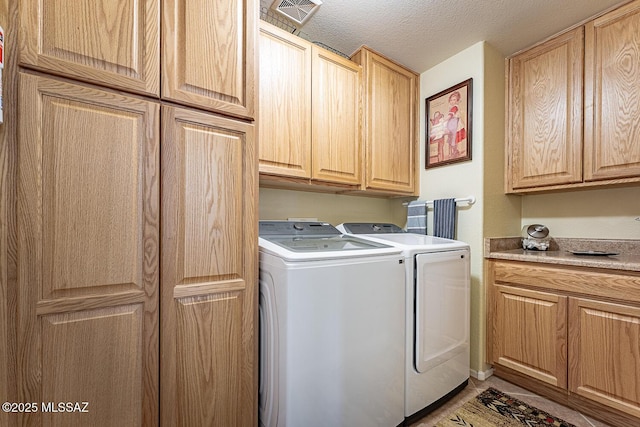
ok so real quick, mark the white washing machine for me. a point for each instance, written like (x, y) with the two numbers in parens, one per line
(332, 328)
(437, 315)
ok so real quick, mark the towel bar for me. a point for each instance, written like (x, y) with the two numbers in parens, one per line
(470, 200)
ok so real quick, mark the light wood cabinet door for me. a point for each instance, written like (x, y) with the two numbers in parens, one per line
(88, 251)
(390, 132)
(336, 128)
(612, 89)
(309, 111)
(209, 271)
(604, 353)
(108, 42)
(391, 99)
(284, 103)
(530, 333)
(208, 54)
(544, 121)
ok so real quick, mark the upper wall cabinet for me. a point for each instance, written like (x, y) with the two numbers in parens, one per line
(309, 112)
(284, 103)
(612, 92)
(545, 113)
(335, 126)
(557, 139)
(208, 54)
(391, 99)
(107, 42)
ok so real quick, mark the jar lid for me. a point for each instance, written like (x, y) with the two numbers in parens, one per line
(537, 231)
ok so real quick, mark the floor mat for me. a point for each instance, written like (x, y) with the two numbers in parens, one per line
(493, 408)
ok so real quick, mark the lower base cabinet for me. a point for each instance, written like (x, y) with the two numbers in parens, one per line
(571, 334)
(530, 334)
(604, 353)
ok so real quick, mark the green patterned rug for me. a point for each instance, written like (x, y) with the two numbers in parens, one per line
(493, 408)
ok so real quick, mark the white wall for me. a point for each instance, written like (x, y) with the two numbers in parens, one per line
(277, 204)
(461, 179)
(605, 213)
(482, 177)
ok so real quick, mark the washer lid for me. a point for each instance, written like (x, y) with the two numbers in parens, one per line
(296, 228)
(323, 243)
(305, 241)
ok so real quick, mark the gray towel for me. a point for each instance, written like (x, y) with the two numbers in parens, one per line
(444, 218)
(417, 217)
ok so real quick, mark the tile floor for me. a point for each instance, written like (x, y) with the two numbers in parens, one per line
(476, 386)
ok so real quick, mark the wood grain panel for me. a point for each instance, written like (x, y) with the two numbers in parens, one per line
(92, 195)
(8, 163)
(211, 204)
(336, 125)
(391, 93)
(612, 91)
(604, 353)
(208, 54)
(60, 123)
(284, 103)
(530, 333)
(211, 327)
(570, 279)
(86, 350)
(387, 165)
(545, 113)
(107, 42)
(209, 265)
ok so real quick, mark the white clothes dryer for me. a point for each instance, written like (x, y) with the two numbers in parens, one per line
(332, 328)
(437, 314)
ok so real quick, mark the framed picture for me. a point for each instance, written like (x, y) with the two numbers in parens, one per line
(448, 125)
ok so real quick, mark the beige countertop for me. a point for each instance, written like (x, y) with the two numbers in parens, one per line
(510, 248)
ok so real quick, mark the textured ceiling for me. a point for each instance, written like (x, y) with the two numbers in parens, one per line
(423, 33)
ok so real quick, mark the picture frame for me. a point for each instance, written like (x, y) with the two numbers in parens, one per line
(448, 124)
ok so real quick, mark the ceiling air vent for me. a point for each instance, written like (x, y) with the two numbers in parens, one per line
(296, 10)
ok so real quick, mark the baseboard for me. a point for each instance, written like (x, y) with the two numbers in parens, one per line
(481, 375)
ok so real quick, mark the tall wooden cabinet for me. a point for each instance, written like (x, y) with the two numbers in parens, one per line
(209, 235)
(556, 139)
(390, 124)
(208, 58)
(99, 221)
(88, 253)
(309, 111)
(114, 43)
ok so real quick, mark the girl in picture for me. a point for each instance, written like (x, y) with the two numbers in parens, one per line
(456, 131)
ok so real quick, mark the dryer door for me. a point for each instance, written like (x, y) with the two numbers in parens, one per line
(441, 307)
